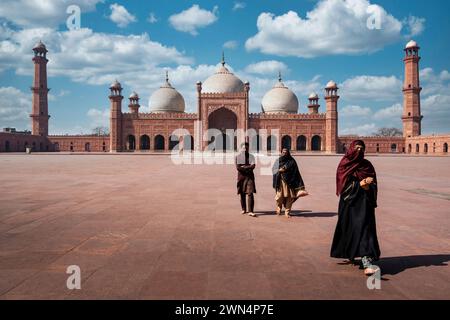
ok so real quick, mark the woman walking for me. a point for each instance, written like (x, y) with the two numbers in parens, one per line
(356, 234)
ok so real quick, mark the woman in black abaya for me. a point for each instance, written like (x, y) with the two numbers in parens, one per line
(356, 184)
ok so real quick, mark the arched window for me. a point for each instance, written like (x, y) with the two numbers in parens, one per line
(301, 143)
(7, 147)
(271, 143)
(255, 143)
(173, 142)
(131, 142)
(393, 147)
(417, 148)
(71, 146)
(445, 148)
(41, 147)
(104, 146)
(145, 142)
(159, 142)
(188, 142)
(409, 148)
(434, 147)
(286, 142)
(378, 147)
(87, 147)
(316, 143)
(425, 148)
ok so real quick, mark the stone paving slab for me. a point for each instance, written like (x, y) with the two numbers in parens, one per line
(141, 227)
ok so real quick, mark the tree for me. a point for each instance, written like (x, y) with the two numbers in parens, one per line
(388, 132)
(100, 131)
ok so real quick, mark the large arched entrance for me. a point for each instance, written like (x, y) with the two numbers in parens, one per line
(131, 142)
(223, 119)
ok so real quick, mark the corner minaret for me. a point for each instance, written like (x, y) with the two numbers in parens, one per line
(115, 136)
(313, 106)
(39, 113)
(331, 120)
(412, 117)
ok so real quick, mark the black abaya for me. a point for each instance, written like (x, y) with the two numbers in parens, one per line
(355, 234)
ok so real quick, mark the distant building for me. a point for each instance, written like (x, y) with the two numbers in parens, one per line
(223, 104)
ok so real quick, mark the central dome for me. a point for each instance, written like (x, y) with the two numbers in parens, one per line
(223, 81)
(279, 99)
(166, 99)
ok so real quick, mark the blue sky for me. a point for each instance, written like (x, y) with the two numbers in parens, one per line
(311, 42)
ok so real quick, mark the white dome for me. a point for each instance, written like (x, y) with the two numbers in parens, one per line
(313, 95)
(223, 81)
(279, 99)
(166, 99)
(133, 95)
(115, 85)
(331, 85)
(411, 44)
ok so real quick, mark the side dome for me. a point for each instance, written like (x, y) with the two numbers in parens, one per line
(166, 99)
(279, 99)
(223, 81)
(411, 44)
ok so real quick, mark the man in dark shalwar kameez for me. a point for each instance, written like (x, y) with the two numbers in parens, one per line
(246, 187)
(356, 233)
(287, 182)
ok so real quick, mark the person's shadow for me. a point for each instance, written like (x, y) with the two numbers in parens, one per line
(299, 213)
(395, 265)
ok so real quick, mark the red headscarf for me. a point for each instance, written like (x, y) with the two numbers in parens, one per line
(353, 163)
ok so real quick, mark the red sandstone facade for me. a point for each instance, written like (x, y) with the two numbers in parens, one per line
(162, 131)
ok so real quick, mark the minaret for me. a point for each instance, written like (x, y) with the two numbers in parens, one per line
(115, 136)
(313, 106)
(39, 113)
(331, 130)
(412, 117)
(134, 103)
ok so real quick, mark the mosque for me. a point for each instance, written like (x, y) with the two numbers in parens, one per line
(223, 105)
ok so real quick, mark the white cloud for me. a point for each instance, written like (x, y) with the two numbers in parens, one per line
(389, 113)
(270, 67)
(239, 5)
(15, 107)
(362, 130)
(332, 27)
(436, 114)
(152, 18)
(415, 25)
(121, 16)
(355, 111)
(192, 19)
(98, 117)
(44, 13)
(232, 44)
(87, 56)
(379, 88)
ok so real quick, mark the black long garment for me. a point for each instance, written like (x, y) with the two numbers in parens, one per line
(291, 176)
(356, 232)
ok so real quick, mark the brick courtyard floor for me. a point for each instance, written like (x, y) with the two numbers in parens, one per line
(141, 227)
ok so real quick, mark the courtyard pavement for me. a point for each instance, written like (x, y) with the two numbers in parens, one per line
(140, 227)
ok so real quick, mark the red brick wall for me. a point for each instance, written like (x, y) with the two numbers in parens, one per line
(16, 142)
(81, 143)
(374, 144)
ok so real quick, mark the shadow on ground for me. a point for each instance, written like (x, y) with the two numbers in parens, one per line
(299, 213)
(395, 265)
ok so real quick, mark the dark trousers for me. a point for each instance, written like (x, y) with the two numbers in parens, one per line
(251, 202)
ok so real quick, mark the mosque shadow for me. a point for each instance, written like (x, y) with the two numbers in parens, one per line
(395, 265)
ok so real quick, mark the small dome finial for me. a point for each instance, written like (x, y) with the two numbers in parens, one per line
(167, 76)
(223, 58)
(279, 76)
